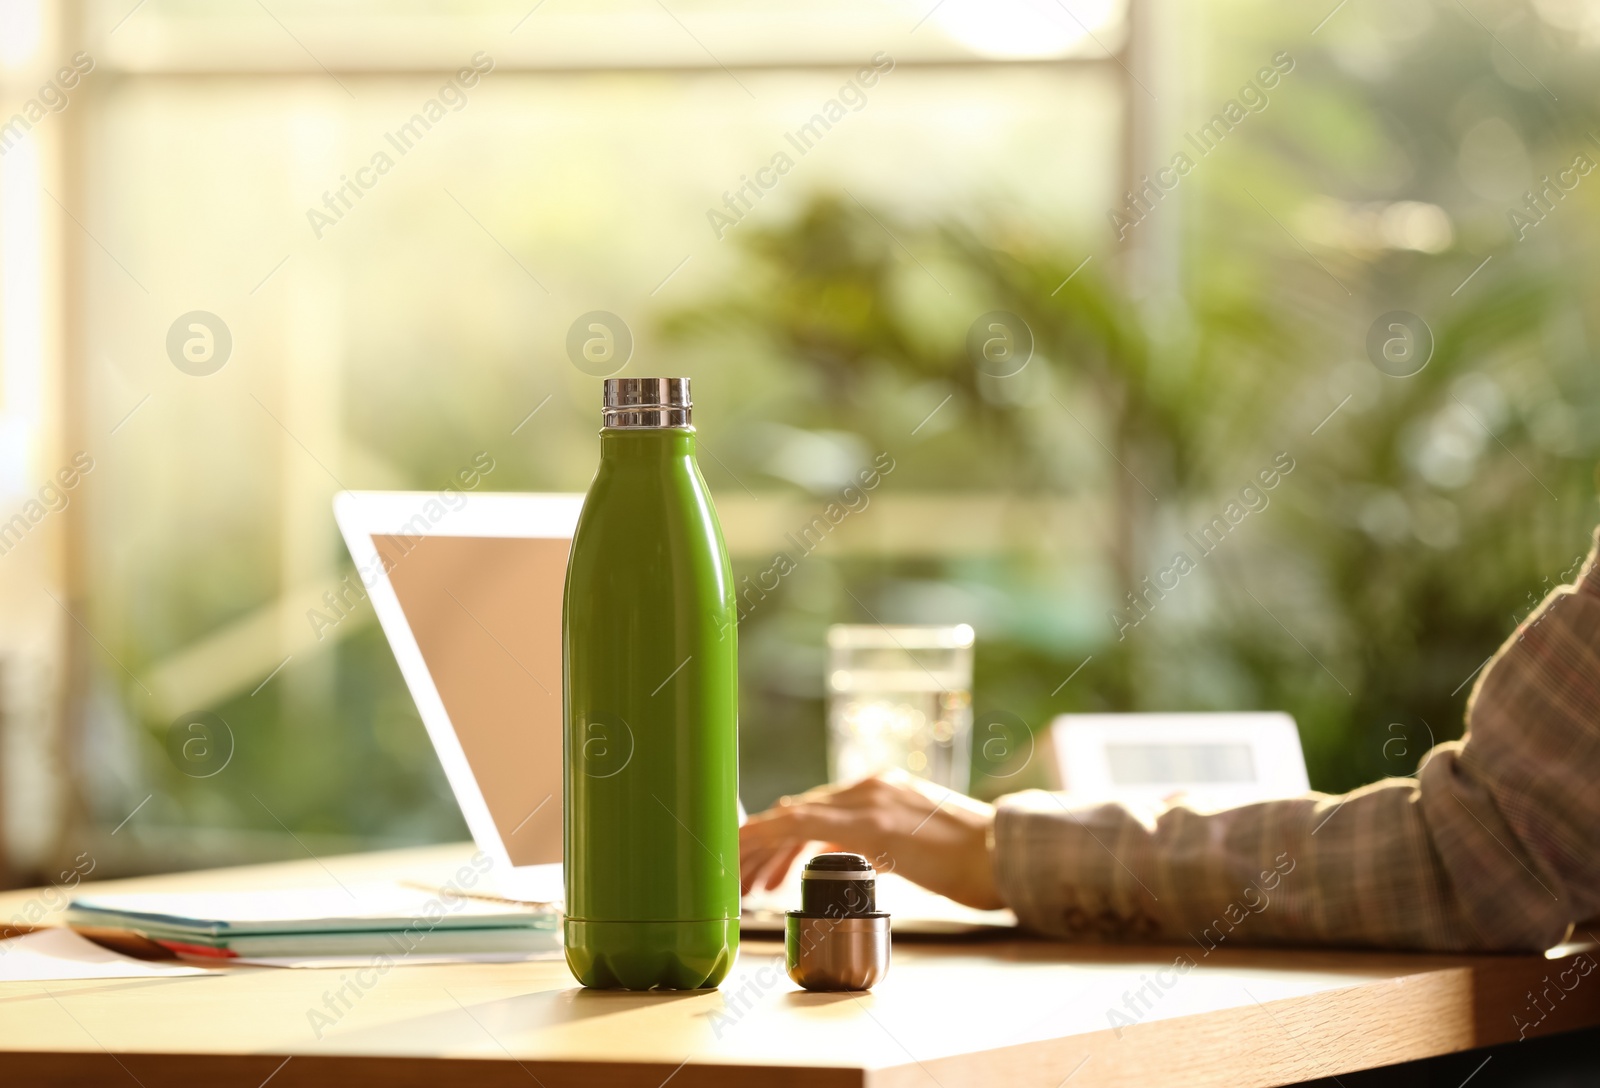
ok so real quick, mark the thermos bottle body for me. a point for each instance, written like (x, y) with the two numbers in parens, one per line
(650, 696)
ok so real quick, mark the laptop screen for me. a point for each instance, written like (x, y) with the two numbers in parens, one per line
(486, 615)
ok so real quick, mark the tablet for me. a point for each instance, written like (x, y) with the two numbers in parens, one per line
(1206, 760)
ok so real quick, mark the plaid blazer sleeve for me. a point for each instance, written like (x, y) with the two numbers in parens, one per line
(1494, 845)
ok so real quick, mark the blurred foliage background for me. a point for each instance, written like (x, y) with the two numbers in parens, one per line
(1424, 516)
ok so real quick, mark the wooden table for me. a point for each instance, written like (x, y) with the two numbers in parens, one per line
(976, 1012)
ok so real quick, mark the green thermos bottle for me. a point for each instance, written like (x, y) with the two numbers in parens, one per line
(650, 695)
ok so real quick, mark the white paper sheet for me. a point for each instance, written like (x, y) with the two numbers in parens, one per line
(52, 954)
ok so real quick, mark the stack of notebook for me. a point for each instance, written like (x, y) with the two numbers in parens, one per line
(347, 920)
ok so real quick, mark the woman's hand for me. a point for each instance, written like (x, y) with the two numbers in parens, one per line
(928, 834)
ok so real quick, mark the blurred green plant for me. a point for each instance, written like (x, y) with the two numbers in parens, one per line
(1382, 571)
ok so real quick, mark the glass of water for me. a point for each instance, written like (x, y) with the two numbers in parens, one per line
(900, 697)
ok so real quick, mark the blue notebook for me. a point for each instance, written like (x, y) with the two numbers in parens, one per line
(385, 918)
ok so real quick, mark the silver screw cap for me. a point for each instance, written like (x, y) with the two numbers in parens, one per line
(646, 402)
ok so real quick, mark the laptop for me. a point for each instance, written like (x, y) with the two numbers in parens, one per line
(468, 589)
